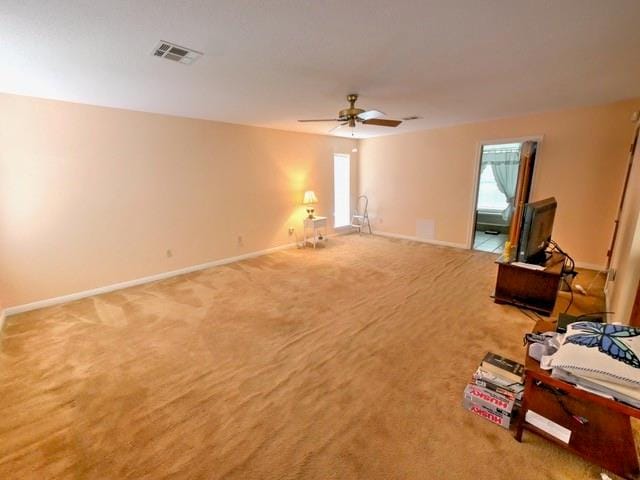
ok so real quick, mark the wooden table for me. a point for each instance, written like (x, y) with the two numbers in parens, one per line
(606, 439)
(533, 289)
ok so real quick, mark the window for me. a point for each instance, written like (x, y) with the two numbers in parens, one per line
(505, 158)
(341, 190)
(489, 195)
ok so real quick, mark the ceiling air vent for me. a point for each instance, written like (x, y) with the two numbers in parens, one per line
(174, 52)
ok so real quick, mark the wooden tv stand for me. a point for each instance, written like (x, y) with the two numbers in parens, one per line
(533, 289)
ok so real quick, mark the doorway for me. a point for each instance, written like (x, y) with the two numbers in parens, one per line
(504, 184)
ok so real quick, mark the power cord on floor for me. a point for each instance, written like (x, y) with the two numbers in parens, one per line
(569, 268)
(525, 310)
(526, 313)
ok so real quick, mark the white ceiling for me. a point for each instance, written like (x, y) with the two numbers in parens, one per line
(271, 62)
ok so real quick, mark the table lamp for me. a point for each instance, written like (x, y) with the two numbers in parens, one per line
(310, 199)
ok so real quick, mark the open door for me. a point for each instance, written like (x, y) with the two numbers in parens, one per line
(523, 189)
(616, 224)
(634, 320)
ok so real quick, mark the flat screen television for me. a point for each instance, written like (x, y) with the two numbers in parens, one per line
(537, 225)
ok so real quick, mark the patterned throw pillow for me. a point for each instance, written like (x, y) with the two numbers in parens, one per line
(601, 351)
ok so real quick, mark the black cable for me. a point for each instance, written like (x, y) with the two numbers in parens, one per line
(570, 290)
(570, 270)
(594, 313)
(558, 394)
(525, 309)
(522, 308)
(578, 418)
(524, 312)
(557, 247)
(537, 315)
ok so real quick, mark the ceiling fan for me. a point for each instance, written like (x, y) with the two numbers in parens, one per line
(352, 115)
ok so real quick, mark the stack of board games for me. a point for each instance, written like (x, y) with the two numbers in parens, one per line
(496, 388)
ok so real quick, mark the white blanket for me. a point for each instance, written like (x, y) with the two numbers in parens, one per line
(601, 351)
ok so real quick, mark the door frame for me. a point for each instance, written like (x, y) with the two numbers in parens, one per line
(476, 176)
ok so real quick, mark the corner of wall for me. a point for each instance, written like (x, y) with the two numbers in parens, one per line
(607, 303)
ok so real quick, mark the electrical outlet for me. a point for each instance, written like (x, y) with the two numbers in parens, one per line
(169, 253)
(291, 231)
(240, 241)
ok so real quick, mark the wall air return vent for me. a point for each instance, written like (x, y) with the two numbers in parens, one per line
(176, 53)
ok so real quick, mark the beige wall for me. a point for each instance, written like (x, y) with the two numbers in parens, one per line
(93, 196)
(430, 175)
(626, 255)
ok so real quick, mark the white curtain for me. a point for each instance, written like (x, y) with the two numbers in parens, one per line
(505, 165)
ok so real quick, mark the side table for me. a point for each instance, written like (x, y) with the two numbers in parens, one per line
(605, 439)
(315, 230)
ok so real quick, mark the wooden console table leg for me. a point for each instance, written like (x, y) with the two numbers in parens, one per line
(523, 410)
(621, 457)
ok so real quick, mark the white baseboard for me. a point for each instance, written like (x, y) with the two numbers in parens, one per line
(223, 261)
(588, 266)
(138, 281)
(591, 266)
(422, 240)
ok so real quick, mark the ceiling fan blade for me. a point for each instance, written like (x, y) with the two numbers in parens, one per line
(338, 126)
(370, 114)
(322, 120)
(383, 122)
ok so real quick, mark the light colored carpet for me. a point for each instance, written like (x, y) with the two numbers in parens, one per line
(338, 363)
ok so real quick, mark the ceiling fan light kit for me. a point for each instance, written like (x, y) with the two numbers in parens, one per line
(353, 115)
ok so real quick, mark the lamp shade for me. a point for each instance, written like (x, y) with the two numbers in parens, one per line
(309, 198)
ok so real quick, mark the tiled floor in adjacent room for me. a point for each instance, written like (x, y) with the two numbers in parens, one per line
(487, 242)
